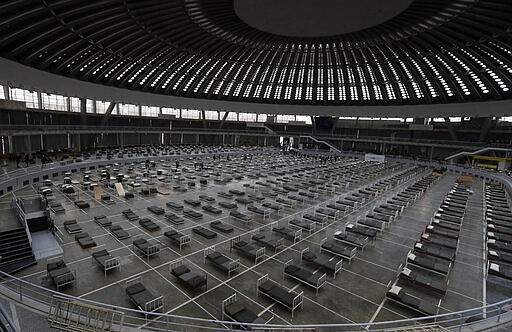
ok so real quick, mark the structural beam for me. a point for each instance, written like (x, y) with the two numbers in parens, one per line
(107, 114)
(223, 119)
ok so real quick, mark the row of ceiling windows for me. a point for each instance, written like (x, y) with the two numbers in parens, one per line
(392, 78)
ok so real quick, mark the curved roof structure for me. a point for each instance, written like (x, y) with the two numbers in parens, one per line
(433, 52)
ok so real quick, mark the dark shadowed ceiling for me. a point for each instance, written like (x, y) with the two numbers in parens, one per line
(316, 18)
(428, 52)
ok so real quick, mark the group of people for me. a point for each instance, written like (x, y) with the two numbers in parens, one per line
(22, 158)
(28, 159)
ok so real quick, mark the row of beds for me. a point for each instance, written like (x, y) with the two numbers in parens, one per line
(103, 258)
(275, 291)
(498, 222)
(237, 311)
(428, 265)
(145, 300)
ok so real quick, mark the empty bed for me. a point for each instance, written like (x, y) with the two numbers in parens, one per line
(399, 295)
(190, 279)
(221, 261)
(221, 226)
(142, 297)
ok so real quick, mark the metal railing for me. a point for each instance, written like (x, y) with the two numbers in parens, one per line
(20, 215)
(40, 298)
(263, 130)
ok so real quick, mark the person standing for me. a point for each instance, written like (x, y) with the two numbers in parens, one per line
(26, 159)
(18, 159)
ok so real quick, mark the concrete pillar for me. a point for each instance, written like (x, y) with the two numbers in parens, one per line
(28, 144)
(6, 92)
(68, 104)
(69, 140)
(42, 141)
(431, 152)
(197, 139)
(39, 100)
(181, 136)
(78, 144)
(9, 144)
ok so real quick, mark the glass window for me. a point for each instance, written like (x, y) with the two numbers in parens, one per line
(171, 111)
(75, 104)
(284, 118)
(29, 97)
(304, 118)
(128, 109)
(190, 114)
(231, 116)
(150, 110)
(247, 117)
(90, 106)
(261, 118)
(102, 106)
(54, 102)
(2, 94)
(211, 115)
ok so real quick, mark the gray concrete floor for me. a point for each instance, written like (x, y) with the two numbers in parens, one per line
(357, 295)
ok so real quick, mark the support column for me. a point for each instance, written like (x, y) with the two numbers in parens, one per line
(42, 141)
(83, 111)
(69, 140)
(334, 125)
(485, 129)
(203, 115)
(9, 144)
(223, 119)
(78, 144)
(181, 138)
(28, 144)
(39, 100)
(451, 129)
(431, 152)
(313, 123)
(6, 92)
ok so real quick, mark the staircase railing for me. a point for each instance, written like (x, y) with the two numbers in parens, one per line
(20, 215)
(330, 145)
(6, 322)
(483, 149)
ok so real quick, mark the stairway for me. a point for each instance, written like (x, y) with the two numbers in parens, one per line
(325, 142)
(15, 251)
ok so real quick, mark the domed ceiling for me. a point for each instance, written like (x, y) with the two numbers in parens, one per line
(282, 51)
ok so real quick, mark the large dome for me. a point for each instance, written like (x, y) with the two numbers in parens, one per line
(426, 51)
